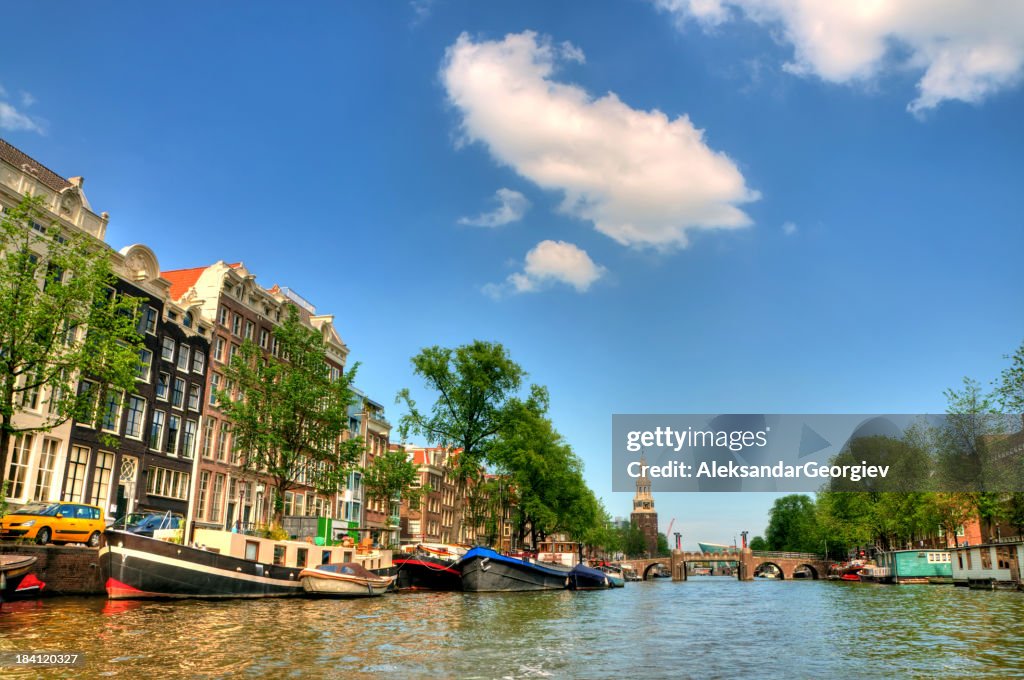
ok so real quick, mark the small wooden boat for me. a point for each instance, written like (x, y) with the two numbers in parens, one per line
(347, 579)
(614, 577)
(15, 577)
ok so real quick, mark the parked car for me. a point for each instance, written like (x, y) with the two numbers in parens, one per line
(56, 523)
(148, 523)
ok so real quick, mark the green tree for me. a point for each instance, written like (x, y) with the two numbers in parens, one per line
(60, 319)
(663, 550)
(758, 543)
(289, 416)
(793, 525)
(633, 543)
(472, 384)
(393, 477)
(1010, 388)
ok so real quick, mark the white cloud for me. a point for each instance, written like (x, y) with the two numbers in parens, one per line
(12, 119)
(512, 205)
(641, 178)
(789, 228)
(964, 50)
(547, 263)
(27, 99)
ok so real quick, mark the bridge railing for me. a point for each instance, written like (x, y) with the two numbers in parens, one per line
(788, 555)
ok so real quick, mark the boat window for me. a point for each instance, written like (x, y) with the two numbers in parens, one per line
(300, 557)
(252, 550)
(986, 558)
(279, 553)
(326, 557)
(969, 559)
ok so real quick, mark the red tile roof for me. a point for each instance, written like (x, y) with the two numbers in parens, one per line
(21, 160)
(182, 279)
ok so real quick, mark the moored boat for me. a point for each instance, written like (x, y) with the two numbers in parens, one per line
(614, 576)
(16, 579)
(484, 570)
(426, 569)
(582, 577)
(221, 565)
(348, 579)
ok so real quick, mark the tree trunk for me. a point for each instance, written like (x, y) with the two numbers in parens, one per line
(5, 447)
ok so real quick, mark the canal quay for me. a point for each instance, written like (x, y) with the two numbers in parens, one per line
(708, 627)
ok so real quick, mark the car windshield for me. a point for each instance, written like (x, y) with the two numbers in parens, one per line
(44, 509)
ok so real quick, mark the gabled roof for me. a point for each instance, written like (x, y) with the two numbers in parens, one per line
(182, 279)
(21, 160)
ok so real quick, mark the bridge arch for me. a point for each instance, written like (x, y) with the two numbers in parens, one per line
(811, 568)
(647, 569)
(780, 572)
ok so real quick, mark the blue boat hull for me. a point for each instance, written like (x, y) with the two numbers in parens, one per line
(585, 578)
(485, 570)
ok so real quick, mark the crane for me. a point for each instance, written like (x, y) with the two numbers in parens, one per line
(669, 532)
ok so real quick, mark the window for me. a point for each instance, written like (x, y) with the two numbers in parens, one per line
(204, 483)
(214, 386)
(162, 386)
(147, 320)
(279, 554)
(167, 483)
(198, 361)
(216, 498)
(222, 316)
(969, 559)
(252, 549)
(178, 394)
(289, 503)
(145, 365)
(136, 417)
(156, 430)
(78, 463)
(188, 438)
(87, 393)
(249, 327)
(236, 325)
(44, 475)
(301, 555)
(183, 358)
(207, 446)
(187, 320)
(167, 349)
(173, 426)
(264, 337)
(194, 397)
(111, 414)
(101, 477)
(222, 442)
(276, 347)
(218, 351)
(18, 470)
(1003, 557)
(234, 351)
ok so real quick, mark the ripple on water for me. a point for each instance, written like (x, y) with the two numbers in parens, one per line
(654, 629)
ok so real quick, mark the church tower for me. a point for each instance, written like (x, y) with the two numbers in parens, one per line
(644, 516)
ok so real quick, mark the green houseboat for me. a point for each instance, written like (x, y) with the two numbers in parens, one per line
(914, 566)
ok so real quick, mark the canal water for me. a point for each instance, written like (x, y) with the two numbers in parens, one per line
(707, 627)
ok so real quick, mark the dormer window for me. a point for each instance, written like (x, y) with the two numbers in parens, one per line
(187, 320)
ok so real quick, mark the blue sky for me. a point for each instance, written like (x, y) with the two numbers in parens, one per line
(666, 206)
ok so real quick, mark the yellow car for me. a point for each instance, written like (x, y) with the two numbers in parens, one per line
(56, 523)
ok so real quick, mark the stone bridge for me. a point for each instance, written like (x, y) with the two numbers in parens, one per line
(747, 561)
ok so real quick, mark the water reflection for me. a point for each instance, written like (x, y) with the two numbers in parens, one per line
(720, 626)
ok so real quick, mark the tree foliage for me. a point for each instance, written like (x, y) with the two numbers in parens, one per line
(392, 476)
(793, 525)
(60, 320)
(289, 416)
